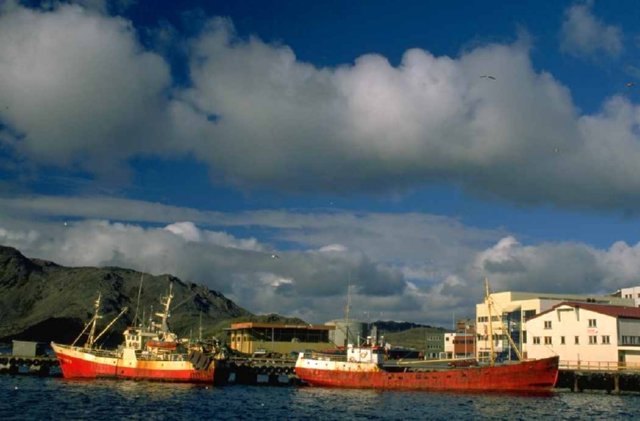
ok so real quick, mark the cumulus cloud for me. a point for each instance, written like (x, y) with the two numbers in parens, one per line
(567, 267)
(81, 90)
(238, 267)
(372, 126)
(394, 263)
(413, 267)
(583, 34)
(78, 89)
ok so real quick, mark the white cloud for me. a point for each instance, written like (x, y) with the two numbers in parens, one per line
(583, 34)
(404, 267)
(372, 126)
(558, 267)
(82, 91)
(78, 89)
(333, 248)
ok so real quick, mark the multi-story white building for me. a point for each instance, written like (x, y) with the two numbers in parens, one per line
(632, 292)
(586, 333)
(510, 310)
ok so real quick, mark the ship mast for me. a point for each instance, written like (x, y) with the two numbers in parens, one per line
(346, 310)
(503, 326)
(96, 316)
(163, 326)
(135, 317)
(91, 323)
(488, 302)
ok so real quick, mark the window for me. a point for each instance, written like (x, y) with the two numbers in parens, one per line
(592, 323)
(547, 324)
(577, 340)
(593, 340)
(529, 314)
(494, 318)
(561, 340)
(536, 340)
(605, 339)
(547, 340)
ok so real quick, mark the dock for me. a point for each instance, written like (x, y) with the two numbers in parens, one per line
(611, 377)
(44, 366)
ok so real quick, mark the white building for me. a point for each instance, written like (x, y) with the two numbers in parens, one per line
(586, 333)
(511, 309)
(448, 345)
(633, 293)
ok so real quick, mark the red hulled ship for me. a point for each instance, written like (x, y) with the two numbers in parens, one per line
(149, 353)
(363, 367)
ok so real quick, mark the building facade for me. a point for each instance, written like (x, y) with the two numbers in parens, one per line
(462, 342)
(250, 337)
(632, 293)
(511, 310)
(586, 333)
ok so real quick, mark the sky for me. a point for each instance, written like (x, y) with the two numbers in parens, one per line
(286, 153)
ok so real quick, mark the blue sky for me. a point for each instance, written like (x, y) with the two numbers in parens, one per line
(361, 142)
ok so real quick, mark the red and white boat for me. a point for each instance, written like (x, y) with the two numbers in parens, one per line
(364, 367)
(148, 353)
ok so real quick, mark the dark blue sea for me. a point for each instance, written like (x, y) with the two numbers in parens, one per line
(35, 398)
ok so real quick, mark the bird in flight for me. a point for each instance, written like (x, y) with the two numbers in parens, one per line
(488, 77)
(275, 256)
(630, 84)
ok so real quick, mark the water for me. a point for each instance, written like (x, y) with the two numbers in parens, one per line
(26, 398)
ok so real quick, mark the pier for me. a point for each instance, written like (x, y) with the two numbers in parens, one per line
(259, 371)
(35, 365)
(612, 377)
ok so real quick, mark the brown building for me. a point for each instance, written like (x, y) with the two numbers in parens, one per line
(250, 337)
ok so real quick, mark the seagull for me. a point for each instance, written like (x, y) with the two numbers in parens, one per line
(630, 84)
(65, 223)
(275, 256)
(488, 77)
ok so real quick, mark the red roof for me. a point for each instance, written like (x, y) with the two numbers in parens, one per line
(606, 309)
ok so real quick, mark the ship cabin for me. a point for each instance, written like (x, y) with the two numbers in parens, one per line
(372, 355)
(137, 338)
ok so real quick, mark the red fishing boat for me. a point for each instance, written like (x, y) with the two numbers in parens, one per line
(365, 367)
(149, 353)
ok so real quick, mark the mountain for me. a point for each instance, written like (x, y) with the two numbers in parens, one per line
(43, 301)
(392, 326)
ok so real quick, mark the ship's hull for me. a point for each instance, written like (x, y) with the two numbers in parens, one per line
(527, 376)
(78, 363)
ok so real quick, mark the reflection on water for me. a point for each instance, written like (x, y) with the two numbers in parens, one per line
(47, 398)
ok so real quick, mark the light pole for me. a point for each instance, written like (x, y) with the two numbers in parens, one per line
(465, 340)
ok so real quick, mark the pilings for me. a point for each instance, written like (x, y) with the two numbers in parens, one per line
(609, 381)
(272, 372)
(40, 366)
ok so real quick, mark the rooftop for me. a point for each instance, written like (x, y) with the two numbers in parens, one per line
(606, 309)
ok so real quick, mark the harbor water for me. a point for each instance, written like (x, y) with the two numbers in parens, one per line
(37, 398)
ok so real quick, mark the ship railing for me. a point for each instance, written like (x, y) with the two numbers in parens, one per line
(103, 352)
(161, 357)
(317, 355)
(599, 366)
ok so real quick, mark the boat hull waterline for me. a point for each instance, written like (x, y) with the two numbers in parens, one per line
(527, 376)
